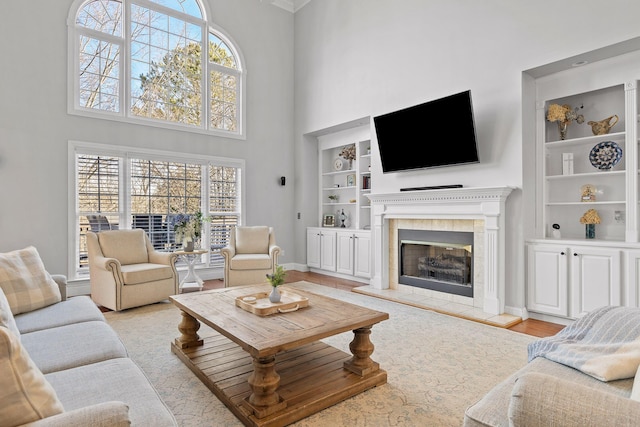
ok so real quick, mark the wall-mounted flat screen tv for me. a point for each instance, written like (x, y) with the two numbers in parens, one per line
(434, 134)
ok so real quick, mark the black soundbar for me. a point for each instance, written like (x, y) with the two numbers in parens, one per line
(435, 187)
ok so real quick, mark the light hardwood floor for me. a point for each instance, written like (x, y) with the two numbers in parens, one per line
(532, 327)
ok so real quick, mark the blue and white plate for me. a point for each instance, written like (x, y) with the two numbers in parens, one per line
(605, 155)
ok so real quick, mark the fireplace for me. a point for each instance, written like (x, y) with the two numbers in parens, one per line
(478, 210)
(437, 260)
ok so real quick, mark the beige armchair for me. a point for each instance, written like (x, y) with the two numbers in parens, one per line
(251, 254)
(126, 271)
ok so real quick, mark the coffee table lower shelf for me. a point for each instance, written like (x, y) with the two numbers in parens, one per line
(312, 377)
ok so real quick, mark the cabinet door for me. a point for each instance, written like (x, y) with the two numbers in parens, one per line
(313, 248)
(328, 250)
(632, 286)
(344, 252)
(595, 279)
(362, 255)
(547, 281)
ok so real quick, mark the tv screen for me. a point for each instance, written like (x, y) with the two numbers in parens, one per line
(434, 134)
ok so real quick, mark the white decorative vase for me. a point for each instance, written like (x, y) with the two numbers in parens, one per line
(187, 245)
(274, 296)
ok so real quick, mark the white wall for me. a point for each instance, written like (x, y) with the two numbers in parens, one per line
(361, 58)
(35, 128)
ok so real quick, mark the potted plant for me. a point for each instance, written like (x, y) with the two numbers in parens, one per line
(188, 229)
(333, 198)
(276, 279)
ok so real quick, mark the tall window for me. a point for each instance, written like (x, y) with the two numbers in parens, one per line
(144, 190)
(157, 62)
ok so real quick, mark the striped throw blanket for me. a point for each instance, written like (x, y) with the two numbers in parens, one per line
(604, 344)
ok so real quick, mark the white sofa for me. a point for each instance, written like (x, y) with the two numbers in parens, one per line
(63, 365)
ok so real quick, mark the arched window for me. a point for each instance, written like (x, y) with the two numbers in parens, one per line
(143, 61)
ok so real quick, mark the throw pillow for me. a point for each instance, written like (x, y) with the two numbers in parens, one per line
(635, 391)
(25, 394)
(25, 281)
(6, 318)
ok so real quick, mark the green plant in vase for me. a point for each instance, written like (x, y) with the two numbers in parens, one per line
(333, 198)
(276, 279)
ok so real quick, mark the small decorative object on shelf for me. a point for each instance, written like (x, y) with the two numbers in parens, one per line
(567, 163)
(564, 114)
(333, 198)
(590, 219)
(276, 279)
(588, 193)
(329, 221)
(605, 155)
(603, 126)
(556, 231)
(349, 153)
(351, 180)
(343, 218)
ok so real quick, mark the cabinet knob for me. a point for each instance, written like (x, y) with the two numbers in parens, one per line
(575, 254)
(561, 253)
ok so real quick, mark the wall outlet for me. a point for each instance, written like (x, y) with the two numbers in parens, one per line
(281, 252)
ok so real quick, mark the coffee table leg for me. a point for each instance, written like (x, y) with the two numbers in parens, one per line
(264, 381)
(362, 348)
(188, 327)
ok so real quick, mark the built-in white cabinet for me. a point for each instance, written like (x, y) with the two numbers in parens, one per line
(343, 251)
(569, 281)
(353, 253)
(570, 272)
(321, 249)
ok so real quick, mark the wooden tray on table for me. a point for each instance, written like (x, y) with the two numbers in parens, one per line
(259, 303)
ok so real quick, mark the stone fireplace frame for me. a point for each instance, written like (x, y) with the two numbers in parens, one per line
(480, 203)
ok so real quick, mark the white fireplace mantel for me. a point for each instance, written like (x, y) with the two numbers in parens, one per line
(485, 203)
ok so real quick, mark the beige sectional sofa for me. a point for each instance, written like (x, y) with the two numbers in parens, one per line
(583, 376)
(63, 365)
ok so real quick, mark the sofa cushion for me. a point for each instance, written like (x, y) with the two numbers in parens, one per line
(127, 246)
(25, 394)
(6, 317)
(108, 414)
(25, 282)
(74, 310)
(250, 262)
(115, 379)
(252, 240)
(142, 273)
(73, 345)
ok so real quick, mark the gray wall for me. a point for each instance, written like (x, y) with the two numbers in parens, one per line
(361, 58)
(35, 127)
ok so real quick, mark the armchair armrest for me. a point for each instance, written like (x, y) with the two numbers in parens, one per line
(167, 258)
(539, 400)
(274, 252)
(108, 264)
(107, 414)
(228, 252)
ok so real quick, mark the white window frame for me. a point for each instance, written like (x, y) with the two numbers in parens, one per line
(73, 107)
(81, 147)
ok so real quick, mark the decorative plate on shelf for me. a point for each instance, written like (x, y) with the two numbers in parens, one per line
(605, 155)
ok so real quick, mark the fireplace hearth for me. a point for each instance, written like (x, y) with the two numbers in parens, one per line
(437, 260)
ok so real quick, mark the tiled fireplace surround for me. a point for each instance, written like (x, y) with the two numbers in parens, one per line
(480, 210)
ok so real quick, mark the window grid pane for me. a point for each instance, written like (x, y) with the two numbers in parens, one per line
(99, 75)
(98, 197)
(166, 69)
(224, 212)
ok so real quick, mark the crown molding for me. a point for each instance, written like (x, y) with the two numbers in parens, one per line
(290, 5)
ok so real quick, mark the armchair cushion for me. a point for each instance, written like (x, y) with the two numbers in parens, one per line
(251, 262)
(127, 246)
(252, 240)
(25, 282)
(25, 394)
(146, 272)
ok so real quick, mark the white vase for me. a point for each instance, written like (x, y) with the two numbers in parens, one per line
(187, 245)
(274, 296)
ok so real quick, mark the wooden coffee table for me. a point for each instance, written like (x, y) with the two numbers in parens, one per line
(273, 370)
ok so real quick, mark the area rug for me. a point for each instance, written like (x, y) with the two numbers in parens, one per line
(437, 365)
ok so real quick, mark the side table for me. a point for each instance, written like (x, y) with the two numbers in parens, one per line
(191, 282)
